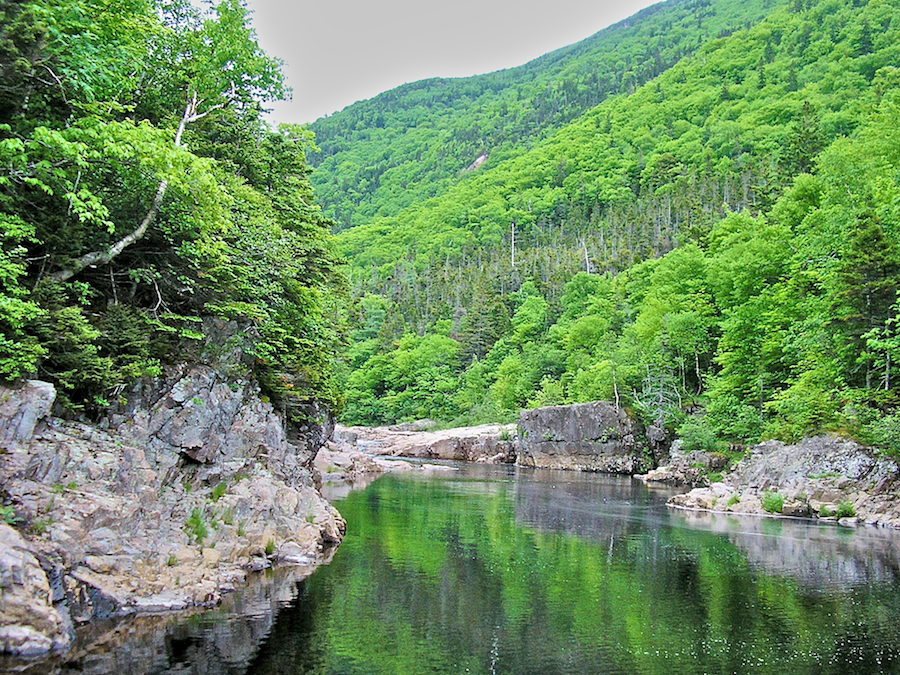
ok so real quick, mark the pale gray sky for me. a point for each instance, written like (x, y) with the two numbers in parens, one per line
(342, 51)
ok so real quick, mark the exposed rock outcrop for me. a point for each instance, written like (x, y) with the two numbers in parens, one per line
(824, 477)
(167, 504)
(21, 409)
(596, 436)
(29, 623)
(488, 443)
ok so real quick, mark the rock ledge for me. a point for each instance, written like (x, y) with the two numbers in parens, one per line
(825, 477)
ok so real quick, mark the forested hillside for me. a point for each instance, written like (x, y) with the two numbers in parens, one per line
(140, 191)
(413, 142)
(717, 250)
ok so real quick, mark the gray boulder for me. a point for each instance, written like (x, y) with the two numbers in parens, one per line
(596, 436)
(21, 408)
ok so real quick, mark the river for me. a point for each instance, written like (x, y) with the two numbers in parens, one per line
(493, 570)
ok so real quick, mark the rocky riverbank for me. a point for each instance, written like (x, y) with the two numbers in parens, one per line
(825, 478)
(596, 436)
(168, 503)
(488, 443)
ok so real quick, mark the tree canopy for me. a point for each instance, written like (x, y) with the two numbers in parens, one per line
(141, 190)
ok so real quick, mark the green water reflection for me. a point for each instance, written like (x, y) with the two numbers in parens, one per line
(549, 572)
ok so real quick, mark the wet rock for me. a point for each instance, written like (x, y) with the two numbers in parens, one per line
(595, 436)
(29, 622)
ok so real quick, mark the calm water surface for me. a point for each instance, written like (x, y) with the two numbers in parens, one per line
(495, 570)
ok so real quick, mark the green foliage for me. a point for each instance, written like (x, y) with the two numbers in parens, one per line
(40, 525)
(140, 190)
(844, 509)
(884, 433)
(8, 515)
(218, 491)
(697, 435)
(19, 351)
(772, 502)
(196, 526)
(73, 360)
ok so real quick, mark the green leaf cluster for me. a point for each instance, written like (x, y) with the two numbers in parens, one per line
(142, 192)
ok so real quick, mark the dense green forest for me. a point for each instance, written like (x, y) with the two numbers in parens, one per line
(413, 142)
(716, 249)
(141, 192)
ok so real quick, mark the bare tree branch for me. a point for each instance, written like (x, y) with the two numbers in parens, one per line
(95, 258)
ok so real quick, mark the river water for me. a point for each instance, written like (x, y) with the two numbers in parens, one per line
(493, 570)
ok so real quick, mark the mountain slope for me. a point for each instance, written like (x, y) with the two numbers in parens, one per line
(723, 130)
(722, 239)
(412, 142)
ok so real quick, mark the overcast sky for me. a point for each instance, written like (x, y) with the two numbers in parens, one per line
(342, 51)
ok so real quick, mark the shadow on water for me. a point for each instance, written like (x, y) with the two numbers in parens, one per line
(508, 570)
(214, 642)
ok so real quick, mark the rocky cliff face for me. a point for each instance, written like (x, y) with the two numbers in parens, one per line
(167, 504)
(594, 436)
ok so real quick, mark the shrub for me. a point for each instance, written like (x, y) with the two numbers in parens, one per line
(807, 407)
(732, 419)
(772, 502)
(885, 433)
(696, 434)
(844, 510)
(8, 515)
(195, 526)
(218, 491)
(733, 499)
